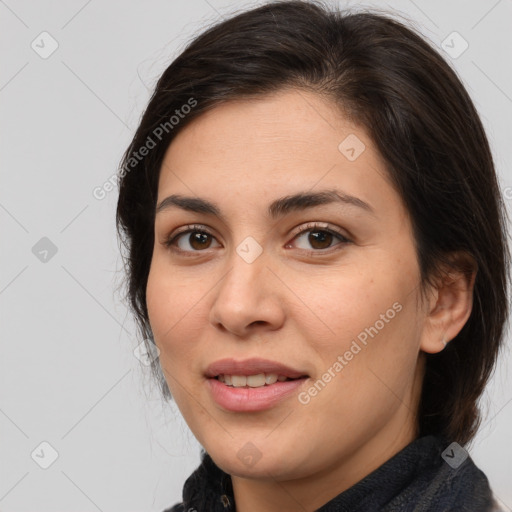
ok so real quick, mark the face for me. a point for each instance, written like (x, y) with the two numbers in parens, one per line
(327, 287)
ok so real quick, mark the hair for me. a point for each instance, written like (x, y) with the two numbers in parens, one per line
(389, 80)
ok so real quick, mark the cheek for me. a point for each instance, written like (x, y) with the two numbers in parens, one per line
(174, 312)
(379, 341)
(369, 364)
(174, 318)
(343, 305)
(369, 317)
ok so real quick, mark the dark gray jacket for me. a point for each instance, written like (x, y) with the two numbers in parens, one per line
(426, 476)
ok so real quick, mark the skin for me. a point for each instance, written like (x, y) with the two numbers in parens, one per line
(289, 305)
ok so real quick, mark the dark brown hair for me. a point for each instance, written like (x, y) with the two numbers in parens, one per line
(394, 84)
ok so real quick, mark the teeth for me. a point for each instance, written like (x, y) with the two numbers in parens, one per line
(271, 378)
(253, 381)
(238, 381)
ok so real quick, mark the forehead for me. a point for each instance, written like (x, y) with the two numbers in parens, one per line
(276, 144)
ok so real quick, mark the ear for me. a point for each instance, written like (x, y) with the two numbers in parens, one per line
(450, 302)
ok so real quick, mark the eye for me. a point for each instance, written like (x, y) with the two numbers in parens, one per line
(319, 237)
(197, 239)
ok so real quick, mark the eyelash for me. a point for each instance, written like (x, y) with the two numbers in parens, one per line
(195, 228)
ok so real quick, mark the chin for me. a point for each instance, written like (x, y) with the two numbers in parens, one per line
(249, 462)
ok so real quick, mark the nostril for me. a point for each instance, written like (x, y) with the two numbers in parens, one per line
(258, 322)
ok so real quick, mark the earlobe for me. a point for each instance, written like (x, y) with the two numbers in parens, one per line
(449, 309)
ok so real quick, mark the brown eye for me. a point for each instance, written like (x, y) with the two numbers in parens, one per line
(318, 239)
(199, 240)
(192, 240)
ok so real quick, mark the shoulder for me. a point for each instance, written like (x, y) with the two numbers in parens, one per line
(464, 482)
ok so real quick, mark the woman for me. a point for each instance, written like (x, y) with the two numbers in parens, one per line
(316, 246)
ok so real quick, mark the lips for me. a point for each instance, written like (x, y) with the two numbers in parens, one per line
(251, 366)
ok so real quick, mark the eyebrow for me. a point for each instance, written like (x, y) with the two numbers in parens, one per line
(278, 208)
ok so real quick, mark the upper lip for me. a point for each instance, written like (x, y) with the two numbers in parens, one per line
(251, 366)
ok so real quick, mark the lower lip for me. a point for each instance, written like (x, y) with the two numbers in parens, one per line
(252, 399)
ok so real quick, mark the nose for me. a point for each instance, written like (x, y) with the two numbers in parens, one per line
(248, 299)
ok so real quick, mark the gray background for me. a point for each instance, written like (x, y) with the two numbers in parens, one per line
(68, 373)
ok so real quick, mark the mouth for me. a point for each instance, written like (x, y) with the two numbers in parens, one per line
(251, 368)
(254, 381)
(252, 384)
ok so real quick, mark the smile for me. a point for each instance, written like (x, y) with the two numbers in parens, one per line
(252, 381)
